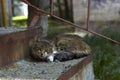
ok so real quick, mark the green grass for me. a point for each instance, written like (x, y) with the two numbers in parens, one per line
(106, 56)
(20, 21)
(19, 18)
(54, 22)
(56, 27)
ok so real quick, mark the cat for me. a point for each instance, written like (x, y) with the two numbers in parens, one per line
(68, 47)
(72, 43)
(65, 47)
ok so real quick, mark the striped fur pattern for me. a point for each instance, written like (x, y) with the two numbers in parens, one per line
(65, 47)
(72, 43)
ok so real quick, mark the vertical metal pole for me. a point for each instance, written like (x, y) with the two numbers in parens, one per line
(1, 20)
(88, 14)
(4, 13)
(51, 7)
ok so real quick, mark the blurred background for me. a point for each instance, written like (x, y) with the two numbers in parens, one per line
(104, 19)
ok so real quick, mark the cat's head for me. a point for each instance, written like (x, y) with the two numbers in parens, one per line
(42, 49)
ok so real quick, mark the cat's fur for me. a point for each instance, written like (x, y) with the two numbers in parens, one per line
(67, 47)
(64, 56)
(72, 43)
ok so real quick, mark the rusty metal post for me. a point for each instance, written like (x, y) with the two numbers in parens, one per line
(51, 7)
(88, 14)
(4, 13)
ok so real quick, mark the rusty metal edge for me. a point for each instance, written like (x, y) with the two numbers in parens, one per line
(73, 70)
(26, 35)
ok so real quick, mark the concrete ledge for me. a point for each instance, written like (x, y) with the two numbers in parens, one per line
(15, 45)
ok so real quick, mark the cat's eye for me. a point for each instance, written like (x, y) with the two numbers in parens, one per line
(63, 48)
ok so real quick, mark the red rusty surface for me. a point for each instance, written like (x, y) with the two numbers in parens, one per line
(88, 15)
(15, 46)
(70, 23)
(75, 69)
(35, 18)
(51, 7)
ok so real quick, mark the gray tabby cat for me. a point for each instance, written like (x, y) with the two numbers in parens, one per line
(72, 43)
(65, 47)
(70, 46)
